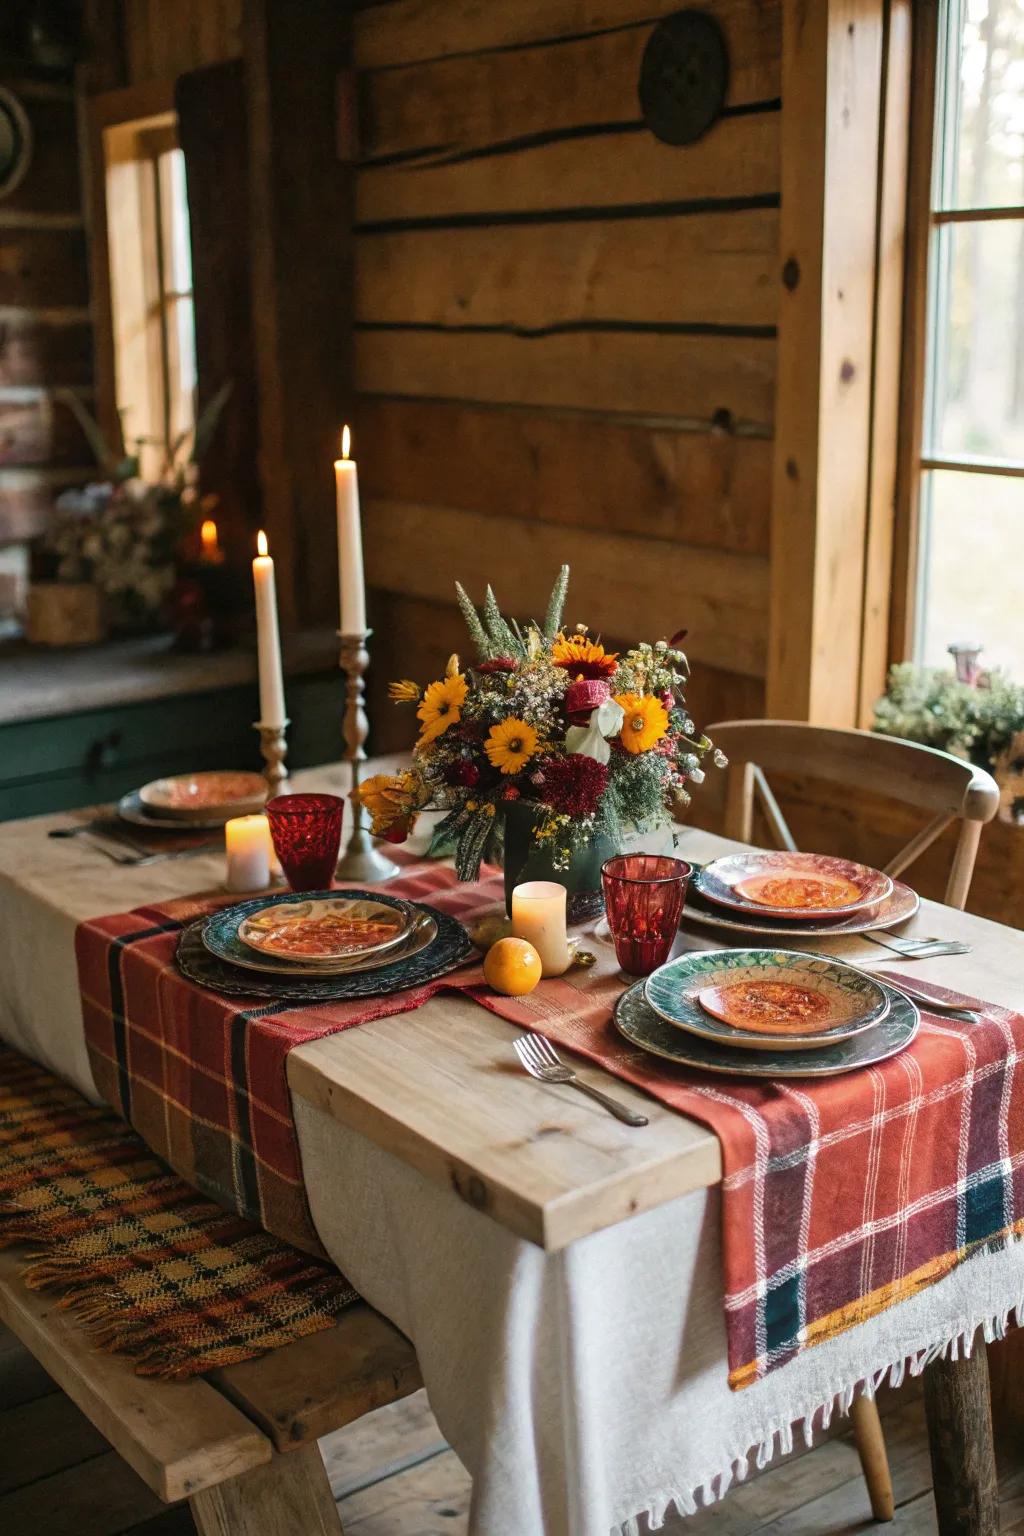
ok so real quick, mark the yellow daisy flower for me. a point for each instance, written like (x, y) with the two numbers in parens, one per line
(646, 721)
(511, 744)
(404, 692)
(441, 707)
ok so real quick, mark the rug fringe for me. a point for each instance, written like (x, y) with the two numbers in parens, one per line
(838, 1400)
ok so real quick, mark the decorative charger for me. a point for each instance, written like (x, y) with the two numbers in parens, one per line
(450, 950)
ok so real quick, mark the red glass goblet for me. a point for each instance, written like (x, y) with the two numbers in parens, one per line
(643, 897)
(306, 833)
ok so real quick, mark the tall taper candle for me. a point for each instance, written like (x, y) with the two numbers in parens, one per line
(350, 542)
(267, 638)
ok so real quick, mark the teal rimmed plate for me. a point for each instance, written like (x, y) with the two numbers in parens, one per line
(798, 1002)
(637, 1021)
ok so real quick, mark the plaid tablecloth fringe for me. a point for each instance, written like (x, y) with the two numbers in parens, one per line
(840, 1196)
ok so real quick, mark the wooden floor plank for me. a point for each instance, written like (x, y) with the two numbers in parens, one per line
(44, 1436)
(428, 1500)
(356, 1455)
(22, 1378)
(102, 1497)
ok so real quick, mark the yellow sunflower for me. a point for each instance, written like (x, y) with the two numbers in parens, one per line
(646, 721)
(441, 707)
(582, 657)
(404, 692)
(511, 744)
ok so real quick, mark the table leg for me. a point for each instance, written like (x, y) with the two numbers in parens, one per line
(290, 1496)
(956, 1396)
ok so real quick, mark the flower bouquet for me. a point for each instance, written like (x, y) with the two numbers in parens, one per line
(549, 729)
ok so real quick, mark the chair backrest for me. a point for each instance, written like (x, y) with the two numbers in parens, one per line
(951, 789)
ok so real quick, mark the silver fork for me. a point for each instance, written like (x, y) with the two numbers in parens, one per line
(541, 1060)
(917, 949)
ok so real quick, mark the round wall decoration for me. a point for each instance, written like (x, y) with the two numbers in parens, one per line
(684, 76)
(15, 141)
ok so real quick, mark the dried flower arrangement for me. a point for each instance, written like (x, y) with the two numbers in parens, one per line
(594, 740)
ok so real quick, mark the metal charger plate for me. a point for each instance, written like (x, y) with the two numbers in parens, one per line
(673, 992)
(450, 950)
(637, 1021)
(225, 944)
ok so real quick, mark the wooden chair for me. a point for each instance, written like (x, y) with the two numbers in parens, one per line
(241, 1443)
(920, 777)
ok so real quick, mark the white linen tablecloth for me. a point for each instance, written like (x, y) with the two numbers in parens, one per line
(580, 1389)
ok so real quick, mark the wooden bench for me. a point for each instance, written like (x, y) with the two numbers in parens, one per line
(241, 1443)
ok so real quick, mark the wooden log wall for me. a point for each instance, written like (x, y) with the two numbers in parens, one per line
(564, 332)
(45, 331)
(165, 38)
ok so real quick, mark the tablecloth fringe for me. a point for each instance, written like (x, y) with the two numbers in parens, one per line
(838, 1400)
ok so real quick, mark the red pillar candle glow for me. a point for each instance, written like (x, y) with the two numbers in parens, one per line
(350, 542)
(268, 639)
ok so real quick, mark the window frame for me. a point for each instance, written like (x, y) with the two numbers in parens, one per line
(931, 63)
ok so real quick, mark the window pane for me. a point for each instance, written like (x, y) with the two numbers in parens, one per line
(977, 363)
(981, 162)
(970, 579)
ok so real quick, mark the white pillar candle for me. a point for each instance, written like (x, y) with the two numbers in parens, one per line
(350, 542)
(250, 852)
(268, 640)
(538, 915)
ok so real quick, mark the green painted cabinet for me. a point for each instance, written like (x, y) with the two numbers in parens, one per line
(70, 760)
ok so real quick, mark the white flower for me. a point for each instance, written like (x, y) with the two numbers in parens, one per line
(589, 740)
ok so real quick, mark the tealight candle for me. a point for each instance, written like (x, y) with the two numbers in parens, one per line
(538, 915)
(250, 853)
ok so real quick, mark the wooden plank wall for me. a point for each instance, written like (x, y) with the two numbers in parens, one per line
(165, 38)
(45, 332)
(565, 332)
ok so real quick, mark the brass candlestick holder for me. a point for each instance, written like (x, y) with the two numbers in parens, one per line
(361, 860)
(274, 746)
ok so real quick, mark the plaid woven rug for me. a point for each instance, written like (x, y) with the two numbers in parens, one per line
(840, 1197)
(151, 1269)
(202, 1077)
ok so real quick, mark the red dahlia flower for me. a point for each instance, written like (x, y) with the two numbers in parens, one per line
(574, 784)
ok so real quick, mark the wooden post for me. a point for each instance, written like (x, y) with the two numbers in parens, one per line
(301, 210)
(290, 1496)
(832, 54)
(956, 1396)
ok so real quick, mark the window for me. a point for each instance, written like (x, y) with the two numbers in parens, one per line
(971, 549)
(151, 287)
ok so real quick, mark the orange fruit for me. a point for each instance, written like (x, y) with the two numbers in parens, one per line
(512, 967)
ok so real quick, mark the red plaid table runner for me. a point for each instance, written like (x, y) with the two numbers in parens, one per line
(202, 1077)
(840, 1197)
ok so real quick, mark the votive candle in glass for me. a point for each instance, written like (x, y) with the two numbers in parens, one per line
(643, 898)
(249, 850)
(538, 915)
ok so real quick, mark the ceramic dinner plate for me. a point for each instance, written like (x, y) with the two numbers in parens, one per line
(637, 1021)
(221, 939)
(792, 886)
(897, 908)
(131, 809)
(217, 795)
(799, 1002)
(323, 928)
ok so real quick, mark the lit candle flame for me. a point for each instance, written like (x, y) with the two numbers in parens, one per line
(208, 535)
(261, 543)
(346, 442)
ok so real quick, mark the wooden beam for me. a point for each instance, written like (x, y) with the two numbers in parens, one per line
(956, 1397)
(887, 364)
(300, 202)
(831, 90)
